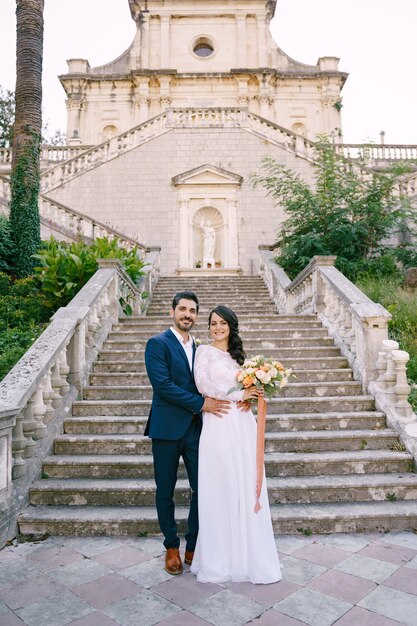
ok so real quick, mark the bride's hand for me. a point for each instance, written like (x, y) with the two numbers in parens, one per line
(251, 393)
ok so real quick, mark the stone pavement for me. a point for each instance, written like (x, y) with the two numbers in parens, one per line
(349, 580)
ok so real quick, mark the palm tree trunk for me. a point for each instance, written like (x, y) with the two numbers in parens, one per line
(24, 213)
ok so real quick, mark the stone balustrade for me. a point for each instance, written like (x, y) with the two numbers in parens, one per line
(359, 328)
(38, 392)
(377, 152)
(49, 155)
(74, 225)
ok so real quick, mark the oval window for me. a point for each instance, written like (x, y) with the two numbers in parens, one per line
(203, 47)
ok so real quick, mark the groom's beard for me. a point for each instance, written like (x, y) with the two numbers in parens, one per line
(184, 324)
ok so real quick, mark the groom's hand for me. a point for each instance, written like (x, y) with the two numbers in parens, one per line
(217, 407)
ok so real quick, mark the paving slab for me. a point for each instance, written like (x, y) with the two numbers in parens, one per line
(106, 590)
(54, 610)
(227, 608)
(366, 567)
(313, 608)
(342, 586)
(145, 608)
(31, 589)
(78, 573)
(147, 574)
(300, 571)
(185, 590)
(367, 579)
(392, 603)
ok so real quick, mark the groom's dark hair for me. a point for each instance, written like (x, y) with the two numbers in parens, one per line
(186, 295)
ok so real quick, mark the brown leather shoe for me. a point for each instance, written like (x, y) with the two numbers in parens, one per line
(173, 564)
(188, 558)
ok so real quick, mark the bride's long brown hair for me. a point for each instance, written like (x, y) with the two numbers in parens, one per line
(235, 346)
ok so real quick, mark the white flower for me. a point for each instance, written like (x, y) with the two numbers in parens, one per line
(264, 377)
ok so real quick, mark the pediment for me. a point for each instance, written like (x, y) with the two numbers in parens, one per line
(207, 175)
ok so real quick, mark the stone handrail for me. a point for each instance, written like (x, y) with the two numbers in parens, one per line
(73, 224)
(357, 324)
(377, 152)
(49, 155)
(106, 151)
(37, 393)
(359, 328)
(80, 226)
(187, 117)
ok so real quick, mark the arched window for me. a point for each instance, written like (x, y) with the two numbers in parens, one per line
(109, 131)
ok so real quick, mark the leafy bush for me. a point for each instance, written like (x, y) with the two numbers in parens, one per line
(349, 212)
(402, 304)
(6, 249)
(14, 342)
(63, 268)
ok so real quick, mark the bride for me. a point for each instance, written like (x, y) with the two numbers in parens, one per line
(234, 543)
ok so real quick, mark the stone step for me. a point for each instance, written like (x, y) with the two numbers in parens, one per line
(287, 490)
(126, 379)
(247, 335)
(285, 354)
(298, 364)
(112, 425)
(268, 317)
(292, 390)
(245, 323)
(286, 518)
(276, 464)
(305, 441)
(250, 345)
(283, 405)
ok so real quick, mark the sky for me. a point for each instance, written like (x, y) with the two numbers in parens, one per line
(374, 39)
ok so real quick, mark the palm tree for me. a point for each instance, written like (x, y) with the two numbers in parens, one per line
(24, 213)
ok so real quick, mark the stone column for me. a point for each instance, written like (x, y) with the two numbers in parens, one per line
(241, 41)
(165, 41)
(231, 248)
(75, 106)
(184, 234)
(145, 40)
(142, 101)
(262, 61)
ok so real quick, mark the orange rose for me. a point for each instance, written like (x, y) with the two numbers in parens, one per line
(247, 381)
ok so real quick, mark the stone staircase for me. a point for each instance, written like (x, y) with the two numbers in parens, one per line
(332, 463)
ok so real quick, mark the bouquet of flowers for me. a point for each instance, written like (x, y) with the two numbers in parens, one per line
(265, 374)
(269, 376)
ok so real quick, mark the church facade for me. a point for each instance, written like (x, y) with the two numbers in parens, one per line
(209, 94)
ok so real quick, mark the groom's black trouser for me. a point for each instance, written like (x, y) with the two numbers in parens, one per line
(166, 456)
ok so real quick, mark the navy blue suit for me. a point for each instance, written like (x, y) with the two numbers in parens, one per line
(174, 426)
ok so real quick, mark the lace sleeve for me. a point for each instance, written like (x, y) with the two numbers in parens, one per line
(207, 379)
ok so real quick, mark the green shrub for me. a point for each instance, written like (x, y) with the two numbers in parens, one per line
(348, 212)
(14, 342)
(6, 248)
(63, 268)
(402, 304)
(4, 283)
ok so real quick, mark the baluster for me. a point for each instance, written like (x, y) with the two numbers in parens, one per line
(402, 388)
(38, 407)
(56, 382)
(29, 426)
(18, 448)
(381, 366)
(390, 375)
(48, 397)
(64, 371)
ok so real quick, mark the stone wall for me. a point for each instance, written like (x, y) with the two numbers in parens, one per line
(135, 192)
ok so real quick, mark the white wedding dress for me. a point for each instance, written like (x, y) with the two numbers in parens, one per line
(234, 543)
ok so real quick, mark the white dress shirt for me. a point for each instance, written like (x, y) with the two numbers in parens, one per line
(188, 347)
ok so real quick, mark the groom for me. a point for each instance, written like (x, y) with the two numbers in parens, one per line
(174, 423)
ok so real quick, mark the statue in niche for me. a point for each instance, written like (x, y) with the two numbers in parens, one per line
(209, 243)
